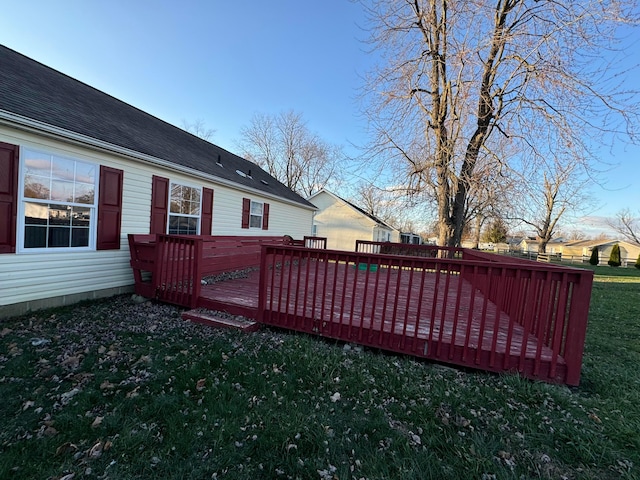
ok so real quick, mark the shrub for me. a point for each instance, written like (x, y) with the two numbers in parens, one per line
(595, 256)
(637, 265)
(614, 258)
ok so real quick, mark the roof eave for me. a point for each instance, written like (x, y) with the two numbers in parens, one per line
(34, 126)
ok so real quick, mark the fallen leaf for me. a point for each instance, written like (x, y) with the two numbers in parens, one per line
(66, 447)
(27, 404)
(143, 359)
(71, 362)
(107, 385)
(5, 331)
(50, 432)
(200, 384)
(96, 450)
(133, 393)
(595, 418)
(67, 396)
(97, 422)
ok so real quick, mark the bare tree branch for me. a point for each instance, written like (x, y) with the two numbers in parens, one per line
(626, 225)
(199, 129)
(283, 145)
(454, 73)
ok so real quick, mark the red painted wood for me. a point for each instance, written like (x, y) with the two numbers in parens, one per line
(206, 217)
(479, 312)
(465, 324)
(159, 204)
(246, 212)
(265, 216)
(109, 208)
(8, 196)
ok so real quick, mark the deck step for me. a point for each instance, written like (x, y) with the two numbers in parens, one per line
(211, 318)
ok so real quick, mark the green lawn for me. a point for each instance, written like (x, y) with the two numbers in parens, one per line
(114, 389)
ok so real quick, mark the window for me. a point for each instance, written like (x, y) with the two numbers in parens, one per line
(255, 219)
(255, 214)
(184, 210)
(58, 202)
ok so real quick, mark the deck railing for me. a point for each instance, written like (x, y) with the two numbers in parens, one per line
(171, 267)
(178, 271)
(391, 248)
(477, 312)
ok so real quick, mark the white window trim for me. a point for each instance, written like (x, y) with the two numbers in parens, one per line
(93, 226)
(169, 214)
(252, 215)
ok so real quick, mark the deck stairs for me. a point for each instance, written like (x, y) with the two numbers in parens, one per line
(220, 320)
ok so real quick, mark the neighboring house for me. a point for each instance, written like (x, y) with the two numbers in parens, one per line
(410, 237)
(343, 223)
(530, 245)
(79, 170)
(629, 251)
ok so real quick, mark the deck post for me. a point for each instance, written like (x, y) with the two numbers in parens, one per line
(577, 328)
(262, 286)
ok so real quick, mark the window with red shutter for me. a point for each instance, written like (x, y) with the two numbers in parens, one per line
(255, 214)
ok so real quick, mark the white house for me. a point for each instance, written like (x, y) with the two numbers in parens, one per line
(629, 251)
(79, 170)
(343, 223)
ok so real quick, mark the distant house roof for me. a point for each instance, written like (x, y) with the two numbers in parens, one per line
(34, 95)
(598, 243)
(355, 207)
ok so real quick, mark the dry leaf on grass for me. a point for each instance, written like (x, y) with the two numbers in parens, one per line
(97, 422)
(66, 447)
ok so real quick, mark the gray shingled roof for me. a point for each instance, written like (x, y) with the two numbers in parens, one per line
(33, 90)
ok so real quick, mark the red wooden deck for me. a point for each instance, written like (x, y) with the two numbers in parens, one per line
(474, 309)
(240, 296)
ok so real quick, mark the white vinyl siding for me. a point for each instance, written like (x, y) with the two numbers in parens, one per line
(343, 225)
(37, 276)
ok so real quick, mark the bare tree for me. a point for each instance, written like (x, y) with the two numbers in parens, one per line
(457, 79)
(627, 225)
(199, 129)
(548, 191)
(284, 146)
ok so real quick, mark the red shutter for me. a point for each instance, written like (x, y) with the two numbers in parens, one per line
(109, 208)
(8, 197)
(246, 212)
(206, 215)
(159, 204)
(265, 217)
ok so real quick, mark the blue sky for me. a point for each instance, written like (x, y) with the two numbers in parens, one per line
(222, 61)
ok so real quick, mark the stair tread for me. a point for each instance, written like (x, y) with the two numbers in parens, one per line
(214, 319)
